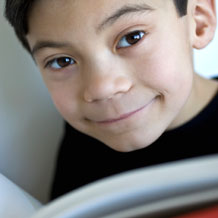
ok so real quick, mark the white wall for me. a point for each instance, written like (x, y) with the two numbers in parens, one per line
(30, 127)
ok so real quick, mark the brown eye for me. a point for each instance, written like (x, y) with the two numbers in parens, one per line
(60, 63)
(63, 62)
(131, 39)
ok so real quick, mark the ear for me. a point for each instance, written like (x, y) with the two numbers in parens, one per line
(204, 22)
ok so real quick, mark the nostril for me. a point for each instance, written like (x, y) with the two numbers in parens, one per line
(87, 97)
(106, 88)
(123, 85)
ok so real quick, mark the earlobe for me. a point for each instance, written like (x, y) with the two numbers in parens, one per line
(204, 15)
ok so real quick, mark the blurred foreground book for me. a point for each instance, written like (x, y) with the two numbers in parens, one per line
(182, 189)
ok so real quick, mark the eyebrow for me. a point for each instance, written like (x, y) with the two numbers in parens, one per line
(124, 10)
(48, 44)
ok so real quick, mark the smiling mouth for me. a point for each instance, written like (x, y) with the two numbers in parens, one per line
(124, 116)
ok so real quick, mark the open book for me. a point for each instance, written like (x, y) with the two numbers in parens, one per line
(162, 191)
(15, 202)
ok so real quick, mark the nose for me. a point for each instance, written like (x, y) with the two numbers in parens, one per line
(105, 84)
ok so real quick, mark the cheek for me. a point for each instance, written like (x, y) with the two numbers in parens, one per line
(166, 67)
(65, 94)
(65, 100)
(62, 103)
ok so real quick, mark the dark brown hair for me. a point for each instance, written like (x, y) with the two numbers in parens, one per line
(16, 12)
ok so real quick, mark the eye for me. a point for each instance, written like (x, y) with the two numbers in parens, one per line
(59, 63)
(131, 39)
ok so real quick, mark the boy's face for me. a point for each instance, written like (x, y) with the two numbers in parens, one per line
(119, 71)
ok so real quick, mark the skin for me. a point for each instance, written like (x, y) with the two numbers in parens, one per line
(125, 95)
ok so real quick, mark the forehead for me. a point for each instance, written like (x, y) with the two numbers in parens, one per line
(93, 5)
(89, 9)
(62, 19)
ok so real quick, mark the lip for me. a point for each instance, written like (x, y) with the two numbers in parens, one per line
(124, 116)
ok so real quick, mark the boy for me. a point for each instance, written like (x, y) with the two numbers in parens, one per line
(122, 72)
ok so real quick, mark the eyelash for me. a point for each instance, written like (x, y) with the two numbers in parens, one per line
(132, 34)
(51, 62)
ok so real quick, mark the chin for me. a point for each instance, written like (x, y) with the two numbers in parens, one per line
(127, 146)
(133, 142)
